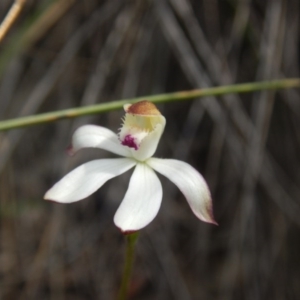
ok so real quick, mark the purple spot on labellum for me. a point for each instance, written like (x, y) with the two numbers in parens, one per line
(129, 142)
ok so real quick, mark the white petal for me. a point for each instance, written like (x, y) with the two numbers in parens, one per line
(191, 184)
(98, 137)
(141, 202)
(87, 178)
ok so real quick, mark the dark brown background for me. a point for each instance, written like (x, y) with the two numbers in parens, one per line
(63, 54)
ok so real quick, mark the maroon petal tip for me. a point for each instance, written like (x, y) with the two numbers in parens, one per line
(214, 223)
(212, 219)
(128, 232)
(70, 150)
(51, 201)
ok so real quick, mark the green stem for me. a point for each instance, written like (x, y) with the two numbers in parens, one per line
(131, 240)
(177, 96)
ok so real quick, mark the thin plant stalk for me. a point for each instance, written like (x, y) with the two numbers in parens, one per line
(170, 97)
(11, 17)
(128, 265)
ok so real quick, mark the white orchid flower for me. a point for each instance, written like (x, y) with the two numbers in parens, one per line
(137, 142)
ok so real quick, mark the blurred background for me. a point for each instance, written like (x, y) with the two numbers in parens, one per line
(71, 53)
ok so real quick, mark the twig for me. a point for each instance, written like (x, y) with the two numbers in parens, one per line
(11, 17)
(171, 97)
(46, 21)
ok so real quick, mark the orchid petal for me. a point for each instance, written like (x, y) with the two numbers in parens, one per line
(98, 137)
(191, 184)
(142, 200)
(87, 178)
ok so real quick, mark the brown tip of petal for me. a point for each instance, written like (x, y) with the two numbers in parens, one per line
(70, 150)
(143, 108)
(52, 201)
(211, 219)
(214, 222)
(128, 232)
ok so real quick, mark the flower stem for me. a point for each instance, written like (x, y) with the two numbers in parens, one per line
(129, 258)
(171, 97)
